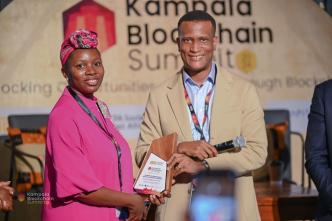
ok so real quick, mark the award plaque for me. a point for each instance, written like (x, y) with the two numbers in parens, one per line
(153, 176)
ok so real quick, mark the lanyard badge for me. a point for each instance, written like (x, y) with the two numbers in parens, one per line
(104, 109)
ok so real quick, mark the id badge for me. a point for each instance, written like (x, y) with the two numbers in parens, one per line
(104, 109)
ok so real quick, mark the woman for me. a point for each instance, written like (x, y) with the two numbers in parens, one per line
(88, 173)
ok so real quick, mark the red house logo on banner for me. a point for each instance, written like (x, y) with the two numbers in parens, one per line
(93, 16)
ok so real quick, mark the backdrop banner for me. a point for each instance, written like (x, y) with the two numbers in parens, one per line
(283, 47)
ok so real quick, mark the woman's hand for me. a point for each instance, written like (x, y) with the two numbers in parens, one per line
(136, 208)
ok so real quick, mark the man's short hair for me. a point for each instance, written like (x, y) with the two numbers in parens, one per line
(197, 15)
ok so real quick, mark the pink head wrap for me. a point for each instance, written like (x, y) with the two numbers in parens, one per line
(77, 40)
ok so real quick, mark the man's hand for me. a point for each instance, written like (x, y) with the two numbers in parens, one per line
(184, 164)
(6, 194)
(199, 149)
(6, 186)
(158, 199)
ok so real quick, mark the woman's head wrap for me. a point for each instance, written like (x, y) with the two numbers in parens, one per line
(79, 39)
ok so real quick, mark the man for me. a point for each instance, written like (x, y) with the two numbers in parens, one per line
(223, 107)
(318, 147)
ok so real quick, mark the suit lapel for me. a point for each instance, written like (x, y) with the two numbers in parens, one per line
(178, 104)
(220, 103)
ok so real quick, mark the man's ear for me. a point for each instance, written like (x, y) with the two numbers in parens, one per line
(215, 42)
(178, 43)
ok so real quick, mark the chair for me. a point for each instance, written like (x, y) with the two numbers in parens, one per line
(27, 143)
(276, 119)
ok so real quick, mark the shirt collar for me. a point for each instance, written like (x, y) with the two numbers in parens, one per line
(211, 77)
(87, 101)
